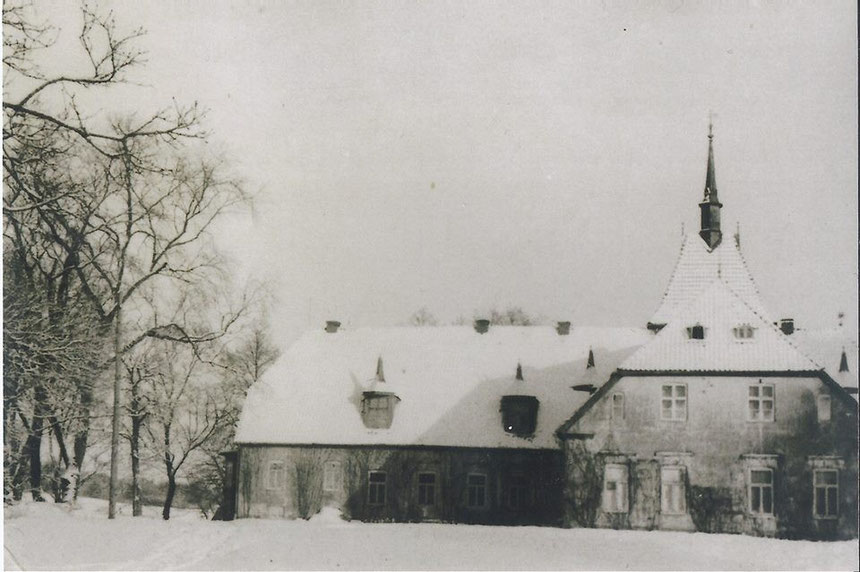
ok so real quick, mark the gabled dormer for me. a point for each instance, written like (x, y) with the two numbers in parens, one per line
(378, 402)
(519, 409)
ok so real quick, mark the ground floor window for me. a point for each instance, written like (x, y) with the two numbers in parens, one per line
(517, 492)
(277, 475)
(672, 491)
(376, 488)
(331, 476)
(476, 490)
(426, 489)
(761, 491)
(615, 488)
(826, 485)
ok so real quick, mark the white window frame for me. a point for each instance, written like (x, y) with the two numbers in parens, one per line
(673, 490)
(332, 476)
(614, 400)
(744, 332)
(375, 485)
(824, 407)
(674, 411)
(477, 487)
(276, 471)
(828, 489)
(758, 413)
(427, 486)
(615, 478)
(762, 487)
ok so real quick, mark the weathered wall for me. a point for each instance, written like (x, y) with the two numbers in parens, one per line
(721, 446)
(302, 493)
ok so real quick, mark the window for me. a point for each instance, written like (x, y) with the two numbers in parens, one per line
(519, 414)
(615, 488)
(331, 476)
(377, 409)
(672, 496)
(276, 478)
(426, 489)
(674, 402)
(761, 491)
(760, 403)
(696, 332)
(476, 490)
(823, 405)
(517, 492)
(826, 485)
(376, 488)
(744, 332)
(616, 410)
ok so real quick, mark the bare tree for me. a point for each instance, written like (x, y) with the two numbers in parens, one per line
(185, 413)
(102, 209)
(423, 317)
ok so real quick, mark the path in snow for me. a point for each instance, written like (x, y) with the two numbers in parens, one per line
(44, 536)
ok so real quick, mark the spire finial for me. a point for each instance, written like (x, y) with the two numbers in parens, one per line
(711, 126)
(843, 362)
(590, 363)
(519, 371)
(380, 375)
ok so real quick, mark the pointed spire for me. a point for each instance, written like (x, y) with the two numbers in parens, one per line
(711, 175)
(710, 205)
(590, 363)
(843, 362)
(519, 372)
(380, 375)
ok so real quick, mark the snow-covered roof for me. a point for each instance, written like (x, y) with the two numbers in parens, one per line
(450, 381)
(825, 347)
(697, 267)
(719, 310)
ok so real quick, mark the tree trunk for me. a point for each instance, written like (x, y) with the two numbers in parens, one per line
(33, 447)
(114, 439)
(136, 423)
(171, 474)
(171, 491)
(82, 437)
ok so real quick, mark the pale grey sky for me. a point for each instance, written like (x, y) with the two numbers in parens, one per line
(469, 155)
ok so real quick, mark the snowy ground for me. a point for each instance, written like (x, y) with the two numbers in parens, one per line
(41, 536)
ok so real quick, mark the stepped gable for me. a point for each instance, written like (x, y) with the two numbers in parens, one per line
(719, 310)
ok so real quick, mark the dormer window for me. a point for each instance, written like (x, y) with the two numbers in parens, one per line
(744, 332)
(377, 409)
(519, 414)
(696, 332)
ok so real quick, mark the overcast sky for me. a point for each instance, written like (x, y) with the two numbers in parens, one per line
(469, 155)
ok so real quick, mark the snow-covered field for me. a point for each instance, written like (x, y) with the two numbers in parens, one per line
(39, 536)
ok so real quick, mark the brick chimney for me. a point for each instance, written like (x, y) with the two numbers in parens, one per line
(563, 328)
(331, 326)
(482, 325)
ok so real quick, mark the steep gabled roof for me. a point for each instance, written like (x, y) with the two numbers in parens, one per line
(698, 267)
(827, 347)
(719, 309)
(450, 381)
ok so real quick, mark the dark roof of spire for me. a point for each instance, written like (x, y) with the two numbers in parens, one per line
(711, 175)
(843, 362)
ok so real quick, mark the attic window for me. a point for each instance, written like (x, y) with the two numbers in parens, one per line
(519, 414)
(696, 332)
(744, 332)
(377, 409)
